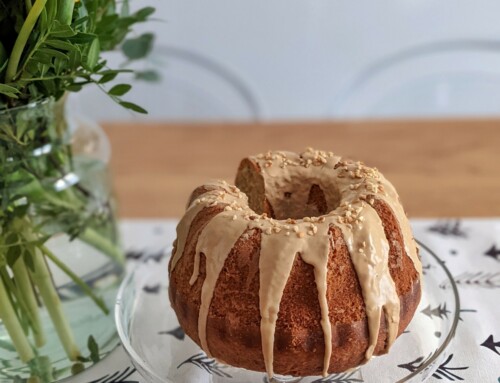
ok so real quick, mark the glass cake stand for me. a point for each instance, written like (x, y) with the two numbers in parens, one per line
(162, 353)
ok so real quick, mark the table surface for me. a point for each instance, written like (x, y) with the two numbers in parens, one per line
(440, 168)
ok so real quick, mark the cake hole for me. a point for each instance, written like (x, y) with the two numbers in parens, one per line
(307, 203)
(298, 198)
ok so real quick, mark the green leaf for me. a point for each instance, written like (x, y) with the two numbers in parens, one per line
(13, 254)
(54, 53)
(62, 31)
(144, 13)
(132, 106)
(119, 90)
(9, 91)
(74, 88)
(93, 54)
(61, 44)
(94, 349)
(83, 38)
(28, 258)
(108, 77)
(148, 75)
(75, 59)
(139, 47)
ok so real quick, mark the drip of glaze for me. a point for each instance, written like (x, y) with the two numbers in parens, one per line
(216, 252)
(369, 251)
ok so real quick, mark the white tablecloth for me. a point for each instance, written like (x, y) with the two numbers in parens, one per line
(470, 248)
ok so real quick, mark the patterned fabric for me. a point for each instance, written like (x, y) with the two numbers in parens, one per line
(469, 248)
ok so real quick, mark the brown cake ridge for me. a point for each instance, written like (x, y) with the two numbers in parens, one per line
(307, 267)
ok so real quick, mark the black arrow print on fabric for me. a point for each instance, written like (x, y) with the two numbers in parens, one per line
(155, 289)
(426, 268)
(209, 365)
(145, 255)
(476, 279)
(466, 311)
(415, 364)
(493, 252)
(491, 344)
(448, 228)
(117, 377)
(439, 311)
(176, 333)
(443, 371)
(347, 377)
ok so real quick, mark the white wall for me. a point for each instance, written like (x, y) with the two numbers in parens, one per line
(297, 59)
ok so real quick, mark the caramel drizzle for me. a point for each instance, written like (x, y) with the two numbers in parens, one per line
(283, 240)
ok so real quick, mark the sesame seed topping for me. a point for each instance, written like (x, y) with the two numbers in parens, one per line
(301, 235)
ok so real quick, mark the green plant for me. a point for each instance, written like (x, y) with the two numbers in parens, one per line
(49, 48)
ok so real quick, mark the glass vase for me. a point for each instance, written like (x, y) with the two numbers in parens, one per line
(60, 258)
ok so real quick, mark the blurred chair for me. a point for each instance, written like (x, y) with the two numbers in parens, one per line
(443, 79)
(190, 87)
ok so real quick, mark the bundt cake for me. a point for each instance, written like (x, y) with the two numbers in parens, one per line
(307, 266)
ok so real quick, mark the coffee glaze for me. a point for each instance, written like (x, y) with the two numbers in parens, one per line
(350, 189)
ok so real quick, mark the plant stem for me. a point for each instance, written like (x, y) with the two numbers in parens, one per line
(17, 300)
(22, 39)
(65, 11)
(27, 293)
(78, 281)
(28, 5)
(93, 238)
(42, 278)
(14, 328)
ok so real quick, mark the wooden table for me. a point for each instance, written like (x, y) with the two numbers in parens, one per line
(441, 169)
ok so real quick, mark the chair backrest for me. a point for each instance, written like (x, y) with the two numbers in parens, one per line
(188, 87)
(443, 79)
